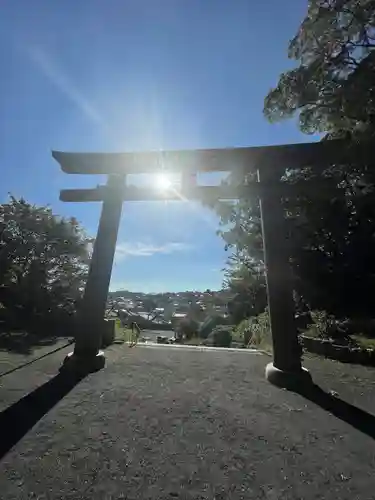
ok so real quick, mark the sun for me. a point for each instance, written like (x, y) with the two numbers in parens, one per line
(163, 182)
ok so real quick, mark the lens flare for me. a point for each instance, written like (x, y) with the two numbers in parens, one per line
(163, 182)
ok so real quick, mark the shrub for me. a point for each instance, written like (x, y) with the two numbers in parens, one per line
(221, 336)
(323, 325)
(326, 326)
(210, 324)
(242, 332)
(255, 331)
(188, 328)
(259, 332)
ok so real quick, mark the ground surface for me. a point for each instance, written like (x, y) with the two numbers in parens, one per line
(164, 423)
(11, 360)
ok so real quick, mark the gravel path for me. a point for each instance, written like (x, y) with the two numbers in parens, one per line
(161, 423)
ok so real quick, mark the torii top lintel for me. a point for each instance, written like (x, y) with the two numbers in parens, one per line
(203, 160)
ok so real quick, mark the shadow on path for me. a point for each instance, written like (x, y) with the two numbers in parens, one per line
(24, 342)
(352, 415)
(19, 418)
(23, 365)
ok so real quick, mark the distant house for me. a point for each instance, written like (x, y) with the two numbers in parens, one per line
(177, 318)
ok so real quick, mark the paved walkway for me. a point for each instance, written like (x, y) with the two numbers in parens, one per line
(164, 423)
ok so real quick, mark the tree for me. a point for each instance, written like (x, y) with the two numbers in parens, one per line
(188, 327)
(221, 336)
(247, 284)
(332, 91)
(196, 311)
(43, 262)
(150, 306)
(240, 227)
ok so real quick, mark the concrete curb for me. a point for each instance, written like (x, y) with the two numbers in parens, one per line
(198, 347)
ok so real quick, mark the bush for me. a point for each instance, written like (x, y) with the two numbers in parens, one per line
(188, 328)
(323, 325)
(326, 326)
(259, 332)
(242, 332)
(210, 324)
(221, 336)
(255, 331)
(360, 326)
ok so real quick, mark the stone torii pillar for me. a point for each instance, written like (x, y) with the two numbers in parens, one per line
(87, 354)
(286, 367)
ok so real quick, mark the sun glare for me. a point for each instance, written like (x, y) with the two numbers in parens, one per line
(163, 182)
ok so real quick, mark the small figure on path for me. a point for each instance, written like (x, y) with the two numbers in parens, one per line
(136, 331)
(124, 318)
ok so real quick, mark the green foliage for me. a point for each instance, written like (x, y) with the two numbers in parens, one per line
(196, 311)
(259, 332)
(240, 227)
(221, 336)
(351, 333)
(188, 327)
(43, 263)
(195, 340)
(150, 305)
(332, 88)
(122, 333)
(238, 332)
(248, 288)
(242, 332)
(211, 322)
(326, 326)
(331, 241)
(364, 342)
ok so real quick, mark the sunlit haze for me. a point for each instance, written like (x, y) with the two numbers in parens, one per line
(163, 182)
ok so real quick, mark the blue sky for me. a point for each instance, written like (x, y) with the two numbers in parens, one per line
(124, 75)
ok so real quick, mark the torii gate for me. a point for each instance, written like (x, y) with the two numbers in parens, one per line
(266, 161)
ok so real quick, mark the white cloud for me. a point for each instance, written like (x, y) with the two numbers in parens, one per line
(139, 249)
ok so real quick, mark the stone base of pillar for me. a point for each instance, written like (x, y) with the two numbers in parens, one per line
(285, 379)
(83, 365)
